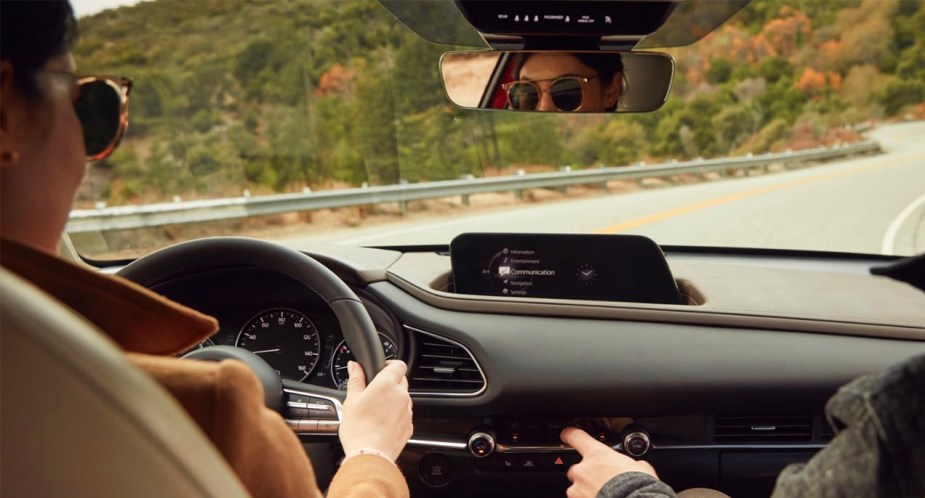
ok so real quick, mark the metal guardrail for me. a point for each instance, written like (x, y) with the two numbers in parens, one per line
(151, 215)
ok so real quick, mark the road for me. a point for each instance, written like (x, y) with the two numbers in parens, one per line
(871, 204)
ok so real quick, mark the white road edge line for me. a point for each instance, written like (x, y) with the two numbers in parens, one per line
(889, 238)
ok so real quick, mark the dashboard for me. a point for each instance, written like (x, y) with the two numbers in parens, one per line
(720, 390)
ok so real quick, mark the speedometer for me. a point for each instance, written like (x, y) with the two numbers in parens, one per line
(286, 339)
(342, 355)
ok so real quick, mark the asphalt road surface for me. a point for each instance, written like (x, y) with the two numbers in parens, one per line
(870, 204)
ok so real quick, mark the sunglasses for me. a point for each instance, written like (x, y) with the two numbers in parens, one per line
(102, 108)
(567, 93)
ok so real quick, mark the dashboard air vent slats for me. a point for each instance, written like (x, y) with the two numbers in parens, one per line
(756, 429)
(444, 367)
(826, 432)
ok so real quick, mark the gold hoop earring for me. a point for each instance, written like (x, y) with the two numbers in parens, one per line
(10, 157)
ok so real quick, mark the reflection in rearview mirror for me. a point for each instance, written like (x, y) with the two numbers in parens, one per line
(552, 81)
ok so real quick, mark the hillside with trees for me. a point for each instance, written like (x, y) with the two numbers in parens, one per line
(274, 96)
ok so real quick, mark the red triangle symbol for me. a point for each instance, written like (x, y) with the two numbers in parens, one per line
(558, 461)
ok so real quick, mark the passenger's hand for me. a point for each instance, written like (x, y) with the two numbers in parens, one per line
(378, 416)
(599, 464)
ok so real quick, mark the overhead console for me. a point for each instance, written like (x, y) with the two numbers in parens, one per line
(578, 18)
(628, 268)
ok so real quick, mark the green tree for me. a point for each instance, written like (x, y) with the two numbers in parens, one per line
(775, 68)
(900, 93)
(720, 70)
(530, 139)
(374, 118)
(419, 85)
(624, 142)
(734, 125)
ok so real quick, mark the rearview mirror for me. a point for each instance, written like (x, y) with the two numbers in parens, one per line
(595, 82)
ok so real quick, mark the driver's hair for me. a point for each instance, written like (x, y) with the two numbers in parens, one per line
(31, 34)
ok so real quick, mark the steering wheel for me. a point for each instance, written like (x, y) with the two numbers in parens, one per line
(203, 255)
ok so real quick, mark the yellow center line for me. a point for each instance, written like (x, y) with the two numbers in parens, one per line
(690, 208)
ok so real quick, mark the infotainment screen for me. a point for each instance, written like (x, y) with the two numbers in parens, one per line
(594, 267)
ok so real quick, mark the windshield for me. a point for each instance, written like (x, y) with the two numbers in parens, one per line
(316, 121)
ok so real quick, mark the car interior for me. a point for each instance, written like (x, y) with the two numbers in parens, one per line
(713, 364)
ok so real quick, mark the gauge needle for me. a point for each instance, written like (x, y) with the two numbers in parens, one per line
(277, 350)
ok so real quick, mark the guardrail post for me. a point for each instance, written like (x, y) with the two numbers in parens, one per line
(520, 193)
(564, 169)
(465, 197)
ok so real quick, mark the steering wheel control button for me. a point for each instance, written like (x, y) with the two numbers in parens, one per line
(299, 400)
(320, 401)
(298, 412)
(636, 444)
(308, 426)
(325, 414)
(329, 427)
(481, 444)
(436, 469)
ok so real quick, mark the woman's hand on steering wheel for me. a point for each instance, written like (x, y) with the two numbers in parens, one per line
(377, 417)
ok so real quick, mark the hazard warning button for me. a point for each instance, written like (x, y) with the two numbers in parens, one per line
(557, 461)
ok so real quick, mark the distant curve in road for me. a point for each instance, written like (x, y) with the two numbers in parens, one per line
(865, 204)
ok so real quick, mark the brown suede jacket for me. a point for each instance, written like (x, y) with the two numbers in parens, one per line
(225, 399)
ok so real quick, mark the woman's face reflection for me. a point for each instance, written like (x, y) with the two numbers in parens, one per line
(597, 95)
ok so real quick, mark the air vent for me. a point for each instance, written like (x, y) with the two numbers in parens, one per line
(826, 432)
(444, 368)
(773, 429)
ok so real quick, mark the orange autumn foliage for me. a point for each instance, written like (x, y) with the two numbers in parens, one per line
(812, 82)
(786, 34)
(829, 54)
(337, 80)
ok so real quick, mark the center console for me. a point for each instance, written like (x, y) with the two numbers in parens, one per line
(523, 456)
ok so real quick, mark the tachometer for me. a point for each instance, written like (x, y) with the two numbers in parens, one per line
(342, 355)
(287, 339)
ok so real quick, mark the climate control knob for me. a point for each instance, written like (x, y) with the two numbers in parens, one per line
(481, 444)
(636, 443)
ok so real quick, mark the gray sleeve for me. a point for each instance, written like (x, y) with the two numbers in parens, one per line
(636, 485)
(847, 466)
(877, 452)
